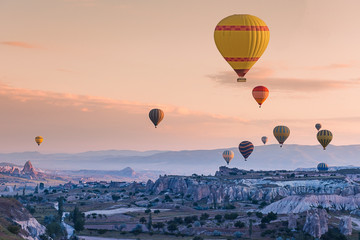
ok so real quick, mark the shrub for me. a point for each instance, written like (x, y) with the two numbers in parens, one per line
(156, 211)
(238, 234)
(218, 217)
(204, 216)
(239, 224)
(259, 214)
(231, 216)
(15, 229)
(216, 233)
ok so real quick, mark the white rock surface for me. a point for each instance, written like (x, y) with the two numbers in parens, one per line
(297, 204)
(316, 223)
(345, 225)
(33, 227)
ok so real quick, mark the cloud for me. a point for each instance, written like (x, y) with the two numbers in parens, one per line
(20, 44)
(228, 78)
(332, 66)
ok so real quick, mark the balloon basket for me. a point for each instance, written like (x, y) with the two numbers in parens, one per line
(241, 79)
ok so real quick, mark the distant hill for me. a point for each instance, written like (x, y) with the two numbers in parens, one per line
(265, 157)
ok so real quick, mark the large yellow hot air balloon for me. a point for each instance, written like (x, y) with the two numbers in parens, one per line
(241, 39)
(324, 137)
(39, 140)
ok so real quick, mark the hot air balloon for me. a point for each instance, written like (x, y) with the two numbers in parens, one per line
(264, 139)
(324, 137)
(39, 140)
(322, 167)
(246, 148)
(241, 39)
(228, 155)
(318, 126)
(260, 93)
(281, 133)
(156, 115)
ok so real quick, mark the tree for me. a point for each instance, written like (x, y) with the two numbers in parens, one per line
(239, 224)
(115, 197)
(60, 207)
(231, 216)
(172, 226)
(78, 219)
(204, 216)
(158, 225)
(41, 186)
(250, 227)
(36, 189)
(259, 214)
(218, 217)
(142, 220)
(149, 224)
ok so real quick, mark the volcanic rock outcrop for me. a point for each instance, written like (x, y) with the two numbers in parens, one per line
(316, 222)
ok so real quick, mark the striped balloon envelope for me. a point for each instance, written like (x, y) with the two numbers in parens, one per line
(322, 167)
(39, 140)
(246, 148)
(318, 126)
(241, 39)
(228, 155)
(260, 93)
(324, 137)
(281, 133)
(156, 115)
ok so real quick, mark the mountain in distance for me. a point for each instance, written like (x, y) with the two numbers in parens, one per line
(187, 162)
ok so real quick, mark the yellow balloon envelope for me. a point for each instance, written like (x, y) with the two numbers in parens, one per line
(39, 140)
(241, 39)
(324, 137)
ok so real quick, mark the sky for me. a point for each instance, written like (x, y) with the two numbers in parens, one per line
(85, 73)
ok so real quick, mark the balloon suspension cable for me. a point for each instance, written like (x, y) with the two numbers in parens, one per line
(241, 79)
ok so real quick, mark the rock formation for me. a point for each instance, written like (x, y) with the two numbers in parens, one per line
(29, 170)
(292, 223)
(316, 223)
(345, 225)
(297, 204)
(240, 189)
(12, 212)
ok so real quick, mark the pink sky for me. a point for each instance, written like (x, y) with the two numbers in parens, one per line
(85, 73)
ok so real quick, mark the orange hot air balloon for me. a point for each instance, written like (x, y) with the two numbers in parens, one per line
(260, 93)
(241, 39)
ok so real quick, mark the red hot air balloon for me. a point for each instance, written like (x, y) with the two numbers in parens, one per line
(260, 93)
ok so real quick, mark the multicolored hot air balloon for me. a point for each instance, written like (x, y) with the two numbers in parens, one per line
(322, 167)
(260, 93)
(156, 115)
(246, 148)
(281, 133)
(318, 126)
(39, 140)
(241, 39)
(264, 139)
(324, 137)
(228, 155)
